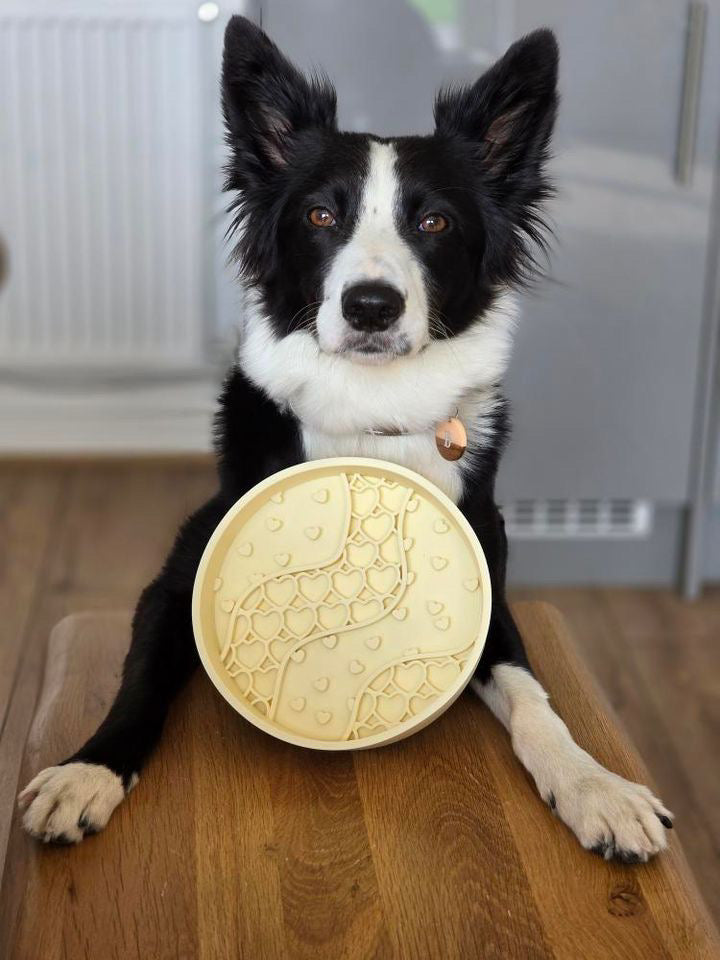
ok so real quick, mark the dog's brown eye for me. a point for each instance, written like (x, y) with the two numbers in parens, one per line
(321, 217)
(433, 223)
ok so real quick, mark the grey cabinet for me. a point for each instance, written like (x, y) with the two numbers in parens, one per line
(603, 379)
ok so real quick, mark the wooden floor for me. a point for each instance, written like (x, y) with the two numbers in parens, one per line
(89, 536)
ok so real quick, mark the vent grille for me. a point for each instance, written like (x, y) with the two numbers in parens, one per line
(578, 519)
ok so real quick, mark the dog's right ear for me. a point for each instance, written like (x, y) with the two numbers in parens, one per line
(266, 103)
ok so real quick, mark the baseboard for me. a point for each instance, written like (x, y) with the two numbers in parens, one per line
(172, 417)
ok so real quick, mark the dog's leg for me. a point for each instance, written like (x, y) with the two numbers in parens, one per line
(608, 814)
(65, 802)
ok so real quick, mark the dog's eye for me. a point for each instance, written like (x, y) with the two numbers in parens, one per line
(321, 217)
(433, 223)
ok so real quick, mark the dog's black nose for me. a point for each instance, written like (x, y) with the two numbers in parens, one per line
(372, 306)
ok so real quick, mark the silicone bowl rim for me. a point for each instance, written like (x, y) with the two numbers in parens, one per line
(407, 727)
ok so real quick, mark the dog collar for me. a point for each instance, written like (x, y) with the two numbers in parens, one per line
(450, 437)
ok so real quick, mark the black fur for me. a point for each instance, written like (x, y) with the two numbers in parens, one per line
(483, 169)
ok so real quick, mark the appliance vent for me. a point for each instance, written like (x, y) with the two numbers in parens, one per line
(578, 519)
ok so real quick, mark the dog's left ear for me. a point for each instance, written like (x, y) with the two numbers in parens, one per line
(510, 111)
(266, 101)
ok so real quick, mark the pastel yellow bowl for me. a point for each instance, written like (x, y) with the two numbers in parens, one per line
(342, 604)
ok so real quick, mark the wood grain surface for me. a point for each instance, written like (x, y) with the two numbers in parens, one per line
(235, 845)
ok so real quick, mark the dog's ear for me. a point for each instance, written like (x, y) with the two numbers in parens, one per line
(266, 102)
(508, 114)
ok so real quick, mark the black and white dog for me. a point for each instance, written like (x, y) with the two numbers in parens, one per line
(379, 275)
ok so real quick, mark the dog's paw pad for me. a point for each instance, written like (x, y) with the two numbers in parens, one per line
(63, 804)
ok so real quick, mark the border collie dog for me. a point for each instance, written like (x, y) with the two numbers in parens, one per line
(379, 276)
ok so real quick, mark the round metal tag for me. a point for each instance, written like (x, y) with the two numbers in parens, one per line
(451, 439)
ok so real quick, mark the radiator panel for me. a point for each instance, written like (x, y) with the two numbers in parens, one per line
(101, 205)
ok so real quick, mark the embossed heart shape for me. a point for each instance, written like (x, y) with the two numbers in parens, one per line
(321, 684)
(400, 613)
(409, 676)
(363, 501)
(434, 606)
(280, 592)
(391, 709)
(273, 524)
(278, 497)
(298, 655)
(360, 556)
(412, 505)
(323, 717)
(298, 704)
(330, 642)
(471, 584)
(356, 666)
(299, 622)
(313, 586)
(321, 496)
(382, 581)
(278, 648)
(440, 526)
(392, 497)
(227, 605)
(266, 625)
(250, 654)
(245, 549)
(439, 563)
(348, 584)
(282, 558)
(441, 676)
(332, 615)
(372, 643)
(442, 623)
(377, 527)
(312, 533)
(362, 612)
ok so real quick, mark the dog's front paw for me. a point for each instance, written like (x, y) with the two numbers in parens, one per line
(612, 816)
(63, 804)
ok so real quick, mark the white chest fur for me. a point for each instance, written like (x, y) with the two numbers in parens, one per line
(417, 452)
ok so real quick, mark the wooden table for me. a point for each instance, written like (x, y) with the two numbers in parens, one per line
(235, 845)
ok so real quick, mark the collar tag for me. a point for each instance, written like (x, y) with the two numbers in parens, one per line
(451, 438)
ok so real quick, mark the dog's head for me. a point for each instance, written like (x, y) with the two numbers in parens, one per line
(378, 246)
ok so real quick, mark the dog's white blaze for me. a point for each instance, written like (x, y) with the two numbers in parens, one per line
(376, 251)
(600, 807)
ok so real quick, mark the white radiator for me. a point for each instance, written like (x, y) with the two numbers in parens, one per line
(103, 206)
